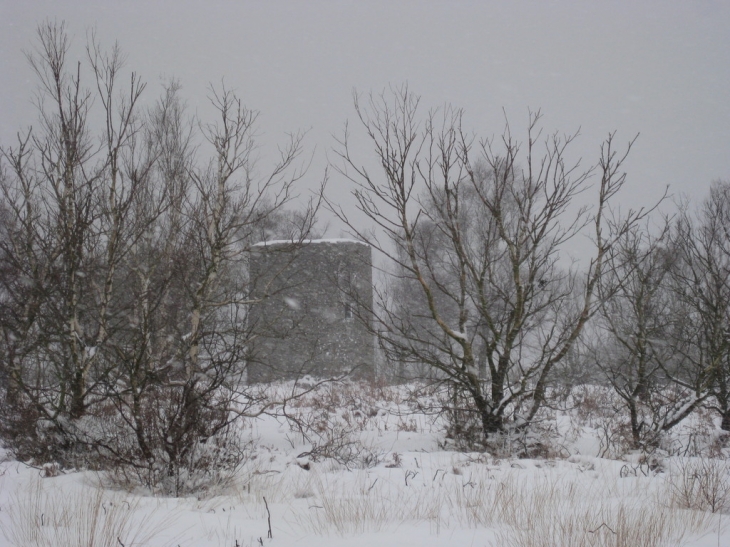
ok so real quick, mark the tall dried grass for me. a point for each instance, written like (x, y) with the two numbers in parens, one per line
(525, 509)
(560, 511)
(43, 515)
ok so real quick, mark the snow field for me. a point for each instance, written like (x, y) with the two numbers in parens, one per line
(388, 480)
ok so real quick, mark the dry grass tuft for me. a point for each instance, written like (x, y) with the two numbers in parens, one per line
(702, 484)
(40, 515)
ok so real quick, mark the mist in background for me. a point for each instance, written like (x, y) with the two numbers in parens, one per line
(659, 68)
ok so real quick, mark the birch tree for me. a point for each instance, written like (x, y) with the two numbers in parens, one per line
(125, 235)
(67, 193)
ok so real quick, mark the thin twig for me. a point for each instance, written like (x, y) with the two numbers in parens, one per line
(601, 526)
(269, 517)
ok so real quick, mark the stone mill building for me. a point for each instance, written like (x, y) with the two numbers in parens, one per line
(311, 310)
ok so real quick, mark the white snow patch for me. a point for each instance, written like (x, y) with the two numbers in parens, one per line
(307, 242)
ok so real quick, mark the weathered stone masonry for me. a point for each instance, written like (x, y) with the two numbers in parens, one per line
(311, 310)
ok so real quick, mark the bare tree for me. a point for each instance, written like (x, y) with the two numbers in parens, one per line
(637, 348)
(182, 379)
(702, 279)
(67, 195)
(481, 237)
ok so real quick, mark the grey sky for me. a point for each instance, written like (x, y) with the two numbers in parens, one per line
(661, 68)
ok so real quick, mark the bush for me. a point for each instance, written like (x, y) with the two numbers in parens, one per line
(702, 484)
(167, 448)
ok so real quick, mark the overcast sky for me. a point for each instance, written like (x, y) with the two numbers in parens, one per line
(661, 68)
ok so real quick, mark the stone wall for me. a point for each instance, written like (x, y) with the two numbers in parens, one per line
(311, 310)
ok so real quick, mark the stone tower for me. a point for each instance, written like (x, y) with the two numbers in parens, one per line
(311, 310)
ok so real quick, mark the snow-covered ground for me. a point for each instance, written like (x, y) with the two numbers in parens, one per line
(374, 472)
